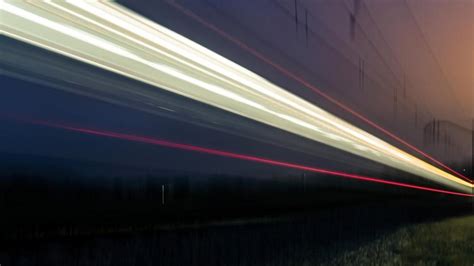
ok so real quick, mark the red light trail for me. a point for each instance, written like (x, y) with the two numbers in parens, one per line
(307, 84)
(187, 147)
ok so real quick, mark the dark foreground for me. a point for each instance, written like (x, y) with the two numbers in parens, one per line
(391, 232)
(65, 219)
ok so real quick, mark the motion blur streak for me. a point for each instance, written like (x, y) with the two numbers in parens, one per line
(307, 84)
(111, 37)
(221, 153)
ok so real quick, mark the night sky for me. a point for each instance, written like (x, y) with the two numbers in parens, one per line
(328, 64)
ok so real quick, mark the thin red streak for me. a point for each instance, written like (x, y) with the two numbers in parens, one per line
(309, 85)
(187, 147)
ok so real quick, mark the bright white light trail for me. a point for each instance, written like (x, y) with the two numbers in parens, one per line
(112, 37)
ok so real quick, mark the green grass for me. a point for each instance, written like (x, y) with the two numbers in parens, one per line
(446, 242)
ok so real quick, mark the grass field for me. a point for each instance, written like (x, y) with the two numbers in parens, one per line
(446, 242)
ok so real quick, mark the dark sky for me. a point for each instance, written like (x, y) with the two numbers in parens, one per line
(27, 100)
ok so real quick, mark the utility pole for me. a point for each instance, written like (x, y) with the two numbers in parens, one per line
(361, 72)
(306, 24)
(296, 15)
(353, 18)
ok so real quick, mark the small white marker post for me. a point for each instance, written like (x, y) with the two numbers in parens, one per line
(162, 194)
